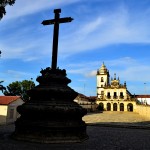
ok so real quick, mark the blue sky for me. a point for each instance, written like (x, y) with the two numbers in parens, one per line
(116, 32)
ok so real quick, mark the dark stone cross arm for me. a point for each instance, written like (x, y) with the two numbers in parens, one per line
(56, 22)
(61, 20)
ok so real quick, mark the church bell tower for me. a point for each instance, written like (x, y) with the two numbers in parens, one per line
(102, 80)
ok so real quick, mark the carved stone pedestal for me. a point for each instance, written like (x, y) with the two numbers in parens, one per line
(51, 115)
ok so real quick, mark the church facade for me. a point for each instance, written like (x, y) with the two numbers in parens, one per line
(111, 94)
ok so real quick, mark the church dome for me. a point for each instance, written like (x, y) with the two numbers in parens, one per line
(103, 69)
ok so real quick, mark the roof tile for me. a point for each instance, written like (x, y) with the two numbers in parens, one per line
(5, 100)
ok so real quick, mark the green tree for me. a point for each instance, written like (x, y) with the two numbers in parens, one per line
(19, 88)
(3, 4)
(2, 88)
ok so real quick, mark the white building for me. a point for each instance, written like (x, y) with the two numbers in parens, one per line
(8, 105)
(143, 99)
(86, 102)
(111, 94)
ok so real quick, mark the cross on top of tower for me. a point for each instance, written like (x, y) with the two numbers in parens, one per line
(56, 21)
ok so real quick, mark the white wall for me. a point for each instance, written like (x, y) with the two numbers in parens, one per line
(144, 100)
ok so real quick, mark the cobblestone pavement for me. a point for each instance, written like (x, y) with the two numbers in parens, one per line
(100, 137)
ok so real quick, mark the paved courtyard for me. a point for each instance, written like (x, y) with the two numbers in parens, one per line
(115, 118)
(101, 137)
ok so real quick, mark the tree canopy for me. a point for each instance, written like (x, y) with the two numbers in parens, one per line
(3, 4)
(2, 88)
(19, 88)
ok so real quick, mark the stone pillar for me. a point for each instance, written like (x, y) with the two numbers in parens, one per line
(118, 106)
(125, 107)
(105, 106)
(111, 106)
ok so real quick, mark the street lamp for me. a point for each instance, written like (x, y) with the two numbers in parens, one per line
(145, 93)
(31, 83)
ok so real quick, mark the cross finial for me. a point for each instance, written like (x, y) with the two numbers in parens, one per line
(57, 10)
(114, 76)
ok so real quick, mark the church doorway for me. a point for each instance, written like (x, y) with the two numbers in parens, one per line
(115, 107)
(130, 107)
(121, 107)
(101, 106)
(108, 107)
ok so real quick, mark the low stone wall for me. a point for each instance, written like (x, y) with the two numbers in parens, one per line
(143, 110)
(89, 107)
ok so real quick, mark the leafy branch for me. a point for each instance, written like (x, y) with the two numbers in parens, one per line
(3, 4)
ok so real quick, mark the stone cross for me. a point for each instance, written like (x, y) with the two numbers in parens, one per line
(56, 21)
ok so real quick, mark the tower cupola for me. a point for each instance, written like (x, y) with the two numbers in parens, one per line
(103, 69)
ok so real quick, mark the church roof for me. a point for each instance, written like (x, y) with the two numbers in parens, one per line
(86, 98)
(129, 92)
(142, 96)
(5, 100)
(92, 98)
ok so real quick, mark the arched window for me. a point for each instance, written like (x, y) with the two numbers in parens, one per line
(121, 95)
(102, 79)
(108, 95)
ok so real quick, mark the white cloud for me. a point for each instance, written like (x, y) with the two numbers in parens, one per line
(15, 75)
(90, 27)
(91, 74)
(75, 71)
(134, 72)
(137, 73)
(128, 69)
(27, 49)
(21, 7)
(96, 31)
(103, 30)
(83, 68)
(123, 62)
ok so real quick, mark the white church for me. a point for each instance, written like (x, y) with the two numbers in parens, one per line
(111, 94)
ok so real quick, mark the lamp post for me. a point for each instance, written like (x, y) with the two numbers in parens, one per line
(84, 88)
(31, 83)
(145, 93)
